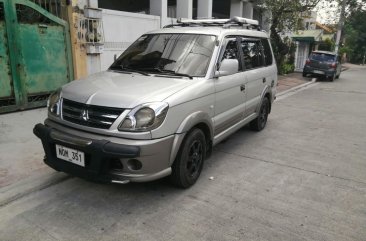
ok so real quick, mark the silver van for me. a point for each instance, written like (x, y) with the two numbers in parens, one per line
(163, 104)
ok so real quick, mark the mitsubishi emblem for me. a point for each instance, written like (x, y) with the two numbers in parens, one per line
(85, 115)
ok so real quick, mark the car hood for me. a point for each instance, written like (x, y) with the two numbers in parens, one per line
(122, 90)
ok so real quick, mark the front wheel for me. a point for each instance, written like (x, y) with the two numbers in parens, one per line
(188, 164)
(260, 122)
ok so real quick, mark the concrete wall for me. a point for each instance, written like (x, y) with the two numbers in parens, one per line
(121, 29)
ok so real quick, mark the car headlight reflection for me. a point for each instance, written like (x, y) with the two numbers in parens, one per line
(145, 117)
(53, 102)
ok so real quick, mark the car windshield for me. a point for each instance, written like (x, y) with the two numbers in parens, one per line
(323, 57)
(173, 54)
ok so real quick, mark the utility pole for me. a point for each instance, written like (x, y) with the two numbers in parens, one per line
(340, 25)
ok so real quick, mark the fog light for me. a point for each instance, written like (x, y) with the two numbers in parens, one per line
(134, 164)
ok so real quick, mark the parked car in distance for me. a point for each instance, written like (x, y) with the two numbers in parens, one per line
(324, 64)
(163, 104)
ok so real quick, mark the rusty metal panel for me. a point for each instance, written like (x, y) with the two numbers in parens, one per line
(6, 90)
(43, 57)
(35, 53)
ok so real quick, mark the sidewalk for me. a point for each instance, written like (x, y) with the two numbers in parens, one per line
(286, 82)
(346, 66)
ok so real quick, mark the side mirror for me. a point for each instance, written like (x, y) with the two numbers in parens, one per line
(228, 67)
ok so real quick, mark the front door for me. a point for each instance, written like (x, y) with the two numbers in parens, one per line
(302, 55)
(230, 91)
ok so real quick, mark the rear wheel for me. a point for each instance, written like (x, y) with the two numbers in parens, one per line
(304, 74)
(188, 164)
(260, 122)
(332, 78)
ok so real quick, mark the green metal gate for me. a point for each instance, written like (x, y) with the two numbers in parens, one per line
(35, 54)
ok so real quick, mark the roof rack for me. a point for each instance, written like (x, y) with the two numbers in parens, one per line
(226, 23)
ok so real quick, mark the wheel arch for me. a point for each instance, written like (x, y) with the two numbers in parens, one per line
(266, 93)
(198, 120)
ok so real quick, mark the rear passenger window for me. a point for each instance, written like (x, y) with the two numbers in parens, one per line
(268, 58)
(252, 54)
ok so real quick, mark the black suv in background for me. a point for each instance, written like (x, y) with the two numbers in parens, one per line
(323, 63)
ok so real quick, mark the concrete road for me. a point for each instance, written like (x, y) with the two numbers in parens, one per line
(302, 178)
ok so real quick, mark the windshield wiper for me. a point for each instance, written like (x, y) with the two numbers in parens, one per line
(120, 68)
(168, 72)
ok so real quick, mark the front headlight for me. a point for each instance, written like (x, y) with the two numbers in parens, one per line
(53, 102)
(145, 117)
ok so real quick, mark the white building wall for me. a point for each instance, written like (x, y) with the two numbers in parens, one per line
(121, 29)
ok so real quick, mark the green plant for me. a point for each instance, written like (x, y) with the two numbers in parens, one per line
(286, 68)
(327, 45)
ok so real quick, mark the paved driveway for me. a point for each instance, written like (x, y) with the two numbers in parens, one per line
(302, 178)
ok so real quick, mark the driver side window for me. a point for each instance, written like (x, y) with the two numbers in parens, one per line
(231, 50)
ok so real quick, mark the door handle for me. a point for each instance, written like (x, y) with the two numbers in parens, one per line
(242, 88)
(264, 80)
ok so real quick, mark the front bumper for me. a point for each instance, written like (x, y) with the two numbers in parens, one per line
(101, 152)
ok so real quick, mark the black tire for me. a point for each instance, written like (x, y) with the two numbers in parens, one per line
(332, 78)
(304, 74)
(188, 164)
(337, 77)
(260, 122)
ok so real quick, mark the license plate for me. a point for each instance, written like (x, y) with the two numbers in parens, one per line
(318, 72)
(70, 155)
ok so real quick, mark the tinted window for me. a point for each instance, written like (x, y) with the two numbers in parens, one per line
(268, 58)
(322, 57)
(231, 50)
(252, 54)
(179, 53)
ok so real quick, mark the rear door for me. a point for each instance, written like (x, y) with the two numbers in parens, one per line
(253, 61)
(269, 69)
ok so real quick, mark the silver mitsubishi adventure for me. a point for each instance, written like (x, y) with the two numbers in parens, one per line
(163, 104)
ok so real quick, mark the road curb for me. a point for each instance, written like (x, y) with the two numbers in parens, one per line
(313, 80)
(29, 185)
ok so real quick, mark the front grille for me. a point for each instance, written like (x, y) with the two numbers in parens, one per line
(89, 115)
